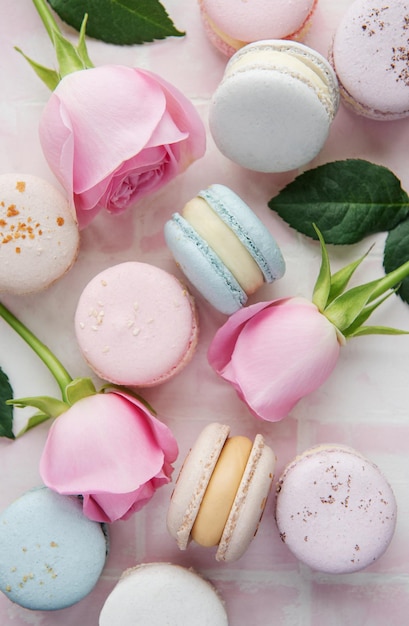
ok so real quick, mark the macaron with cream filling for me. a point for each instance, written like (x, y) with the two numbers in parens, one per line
(136, 324)
(51, 554)
(39, 236)
(155, 594)
(335, 510)
(221, 492)
(223, 248)
(231, 24)
(370, 55)
(274, 107)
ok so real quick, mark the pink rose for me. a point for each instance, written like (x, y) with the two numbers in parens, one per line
(111, 450)
(113, 134)
(275, 353)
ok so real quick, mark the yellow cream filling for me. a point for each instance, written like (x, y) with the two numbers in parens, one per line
(224, 243)
(283, 61)
(221, 491)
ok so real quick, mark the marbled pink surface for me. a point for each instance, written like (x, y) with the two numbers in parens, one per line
(363, 404)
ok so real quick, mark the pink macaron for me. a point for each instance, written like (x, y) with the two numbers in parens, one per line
(231, 24)
(335, 510)
(136, 325)
(370, 55)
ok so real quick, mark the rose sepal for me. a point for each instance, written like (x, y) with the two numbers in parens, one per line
(70, 58)
(32, 422)
(51, 407)
(79, 388)
(107, 387)
(348, 310)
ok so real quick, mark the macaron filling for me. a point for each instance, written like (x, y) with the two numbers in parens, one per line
(288, 62)
(224, 242)
(221, 491)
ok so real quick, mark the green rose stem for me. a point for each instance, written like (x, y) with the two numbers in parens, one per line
(70, 58)
(49, 359)
(72, 389)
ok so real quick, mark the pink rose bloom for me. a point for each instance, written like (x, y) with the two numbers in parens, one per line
(275, 353)
(113, 134)
(111, 450)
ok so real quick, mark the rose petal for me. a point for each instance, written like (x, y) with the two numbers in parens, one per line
(104, 444)
(113, 134)
(275, 355)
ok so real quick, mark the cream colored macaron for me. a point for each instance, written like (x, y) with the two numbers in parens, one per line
(39, 237)
(221, 492)
(155, 594)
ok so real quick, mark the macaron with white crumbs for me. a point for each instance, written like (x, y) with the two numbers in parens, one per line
(136, 324)
(335, 510)
(230, 25)
(39, 236)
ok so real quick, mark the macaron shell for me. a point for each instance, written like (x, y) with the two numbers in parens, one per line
(269, 120)
(248, 229)
(258, 19)
(202, 267)
(370, 49)
(155, 594)
(335, 511)
(136, 324)
(248, 506)
(51, 554)
(192, 481)
(39, 237)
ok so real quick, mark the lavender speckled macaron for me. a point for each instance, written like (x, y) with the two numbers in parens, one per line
(370, 55)
(335, 510)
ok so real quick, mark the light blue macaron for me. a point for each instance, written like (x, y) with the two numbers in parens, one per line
(204, 268)
(51, 555)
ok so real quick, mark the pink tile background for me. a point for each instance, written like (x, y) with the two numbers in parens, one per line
(364, 403)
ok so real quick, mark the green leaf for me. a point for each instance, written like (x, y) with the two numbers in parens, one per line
(121, 22)
(396, 252)
(50, 406)
(347, 200)
(34, 420)
(6, 411)
(79, 388)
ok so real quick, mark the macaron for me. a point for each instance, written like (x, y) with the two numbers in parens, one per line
(335, 510)
(156, 594)
(39, 237)
(370, 56)
(136, 324)
(230, 25)
(51, 554)
(274, 107)
(221, 492)
(222, 247)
